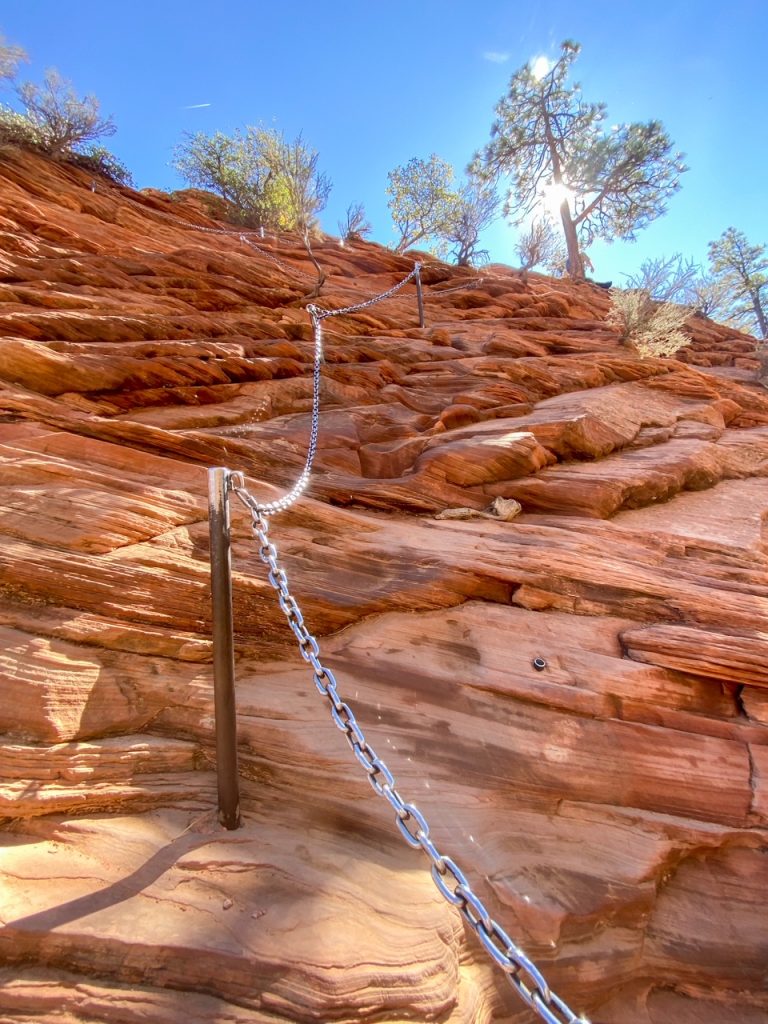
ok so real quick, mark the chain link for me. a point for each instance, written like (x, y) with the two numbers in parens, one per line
(317, 315)
(437, 292)
(321, 314)
(520, 971)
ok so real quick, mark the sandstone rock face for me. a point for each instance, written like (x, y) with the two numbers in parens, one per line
(611, 808)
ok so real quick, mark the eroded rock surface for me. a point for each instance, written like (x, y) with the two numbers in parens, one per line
(611, 807)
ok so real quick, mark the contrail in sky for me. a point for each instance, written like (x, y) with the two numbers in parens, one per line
(195, 106)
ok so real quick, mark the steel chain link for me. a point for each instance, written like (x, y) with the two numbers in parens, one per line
(321, 314)
(437, 292)
(317, 315)
(520, 971)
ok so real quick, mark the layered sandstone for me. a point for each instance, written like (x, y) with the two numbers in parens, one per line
(612, 808)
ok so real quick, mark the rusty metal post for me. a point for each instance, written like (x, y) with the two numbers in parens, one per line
(419, 296)
(223, 648)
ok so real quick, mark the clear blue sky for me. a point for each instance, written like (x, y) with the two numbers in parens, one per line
(371, 84)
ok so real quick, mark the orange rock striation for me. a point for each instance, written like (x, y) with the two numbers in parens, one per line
(612, 809)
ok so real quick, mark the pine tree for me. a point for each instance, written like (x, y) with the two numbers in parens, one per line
(547, 139)
(741, 270)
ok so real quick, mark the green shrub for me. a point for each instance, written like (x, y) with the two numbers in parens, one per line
(18, 130)
(67, 122)
(99, 160)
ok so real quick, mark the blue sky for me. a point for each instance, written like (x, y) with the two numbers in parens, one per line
(372, 84)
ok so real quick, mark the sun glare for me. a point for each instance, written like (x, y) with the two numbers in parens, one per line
(552, 196)
(540, 66)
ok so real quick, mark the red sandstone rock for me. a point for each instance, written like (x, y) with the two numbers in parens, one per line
(612, 809)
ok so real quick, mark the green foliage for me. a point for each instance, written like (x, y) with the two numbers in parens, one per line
(421, 200)
(100, 160)
(622, 180)
(17, 130)
(65, 121)
(609, 184)
(651, 328)
(741, 270)
(269, 181)
(55, 121)
(302, 188)
(229, 166)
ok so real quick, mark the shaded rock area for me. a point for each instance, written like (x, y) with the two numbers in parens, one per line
(610, 807)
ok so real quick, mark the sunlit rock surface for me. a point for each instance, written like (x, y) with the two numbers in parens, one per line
(611, 808)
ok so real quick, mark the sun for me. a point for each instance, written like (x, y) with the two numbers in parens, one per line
(552, 196)
(540, 66)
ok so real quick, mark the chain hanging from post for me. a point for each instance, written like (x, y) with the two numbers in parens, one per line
(452, 883)
(317, 315)
(522, 973)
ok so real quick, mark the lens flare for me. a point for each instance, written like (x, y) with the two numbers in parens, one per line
(552, 196)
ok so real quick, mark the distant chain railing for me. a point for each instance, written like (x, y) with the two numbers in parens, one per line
(437, 292)
(243, 236)
(246, 238)
(317, 315)
(452, 883)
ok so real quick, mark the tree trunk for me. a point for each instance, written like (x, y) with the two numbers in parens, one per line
(574, 262)
(759, 313)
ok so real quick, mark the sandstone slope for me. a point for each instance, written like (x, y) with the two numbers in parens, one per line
(611, 808)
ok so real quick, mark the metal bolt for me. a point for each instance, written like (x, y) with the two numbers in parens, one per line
(539, 664)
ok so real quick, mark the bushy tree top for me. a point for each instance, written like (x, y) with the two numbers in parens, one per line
(545, 133)
(269, 180)
(742, 270)
(421, 199)
(65, 120)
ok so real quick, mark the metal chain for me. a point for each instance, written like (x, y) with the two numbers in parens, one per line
(317, 315)
(452, 883)
(278, 263)
(241, 236)
(458, 288)
(321, 314)
(269, 508)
